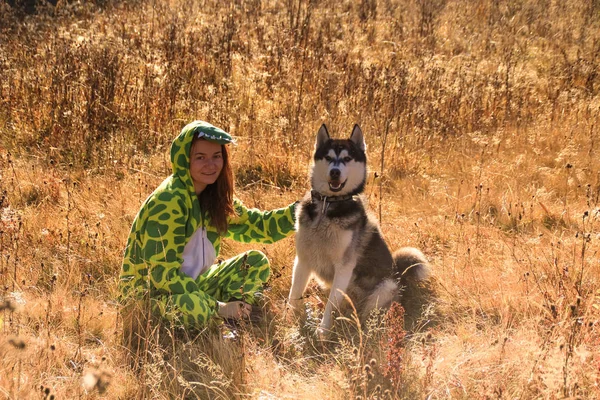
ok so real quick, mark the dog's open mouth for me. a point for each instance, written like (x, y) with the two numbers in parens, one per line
(336, 186)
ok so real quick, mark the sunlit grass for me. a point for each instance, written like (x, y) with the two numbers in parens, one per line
(481, 121)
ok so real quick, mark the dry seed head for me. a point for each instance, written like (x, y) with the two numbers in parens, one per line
(47, 394)
(17, 343)
(7, 305)
(98, 380)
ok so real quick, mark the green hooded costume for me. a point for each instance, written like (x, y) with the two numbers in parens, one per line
(171, 218)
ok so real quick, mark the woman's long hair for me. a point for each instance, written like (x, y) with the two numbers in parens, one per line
(217, 198)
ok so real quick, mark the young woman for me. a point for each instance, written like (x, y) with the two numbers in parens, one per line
(176, 236)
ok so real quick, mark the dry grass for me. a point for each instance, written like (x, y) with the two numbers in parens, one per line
(481, 120)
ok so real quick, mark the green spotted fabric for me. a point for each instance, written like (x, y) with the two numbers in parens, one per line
(163, 226)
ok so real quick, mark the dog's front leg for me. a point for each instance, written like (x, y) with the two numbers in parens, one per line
(300, 277)
(341, 280)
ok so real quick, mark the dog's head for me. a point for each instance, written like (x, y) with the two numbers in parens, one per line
(340, 165)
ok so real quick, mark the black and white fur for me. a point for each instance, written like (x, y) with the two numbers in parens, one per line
(339, 243)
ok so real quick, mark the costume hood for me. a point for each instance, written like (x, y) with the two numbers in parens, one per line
(180, 148)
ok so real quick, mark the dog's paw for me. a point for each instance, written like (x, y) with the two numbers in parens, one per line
(295, 308)
(324, 330)
(322, 334)
(295, 304)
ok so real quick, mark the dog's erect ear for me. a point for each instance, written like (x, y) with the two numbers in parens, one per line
(358, 138)
(322, 136)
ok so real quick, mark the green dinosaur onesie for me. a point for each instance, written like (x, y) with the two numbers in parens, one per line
(167, 221)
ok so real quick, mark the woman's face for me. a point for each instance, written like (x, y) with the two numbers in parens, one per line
(206, 163)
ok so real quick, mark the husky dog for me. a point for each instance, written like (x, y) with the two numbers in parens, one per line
(339, 243)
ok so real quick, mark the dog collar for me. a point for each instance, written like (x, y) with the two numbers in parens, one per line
(330, 199)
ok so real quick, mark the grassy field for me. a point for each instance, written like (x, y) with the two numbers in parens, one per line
(482, 125)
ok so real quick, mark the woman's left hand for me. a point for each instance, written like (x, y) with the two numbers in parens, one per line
(234, 309)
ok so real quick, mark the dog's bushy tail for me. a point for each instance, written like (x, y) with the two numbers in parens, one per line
(411, 264)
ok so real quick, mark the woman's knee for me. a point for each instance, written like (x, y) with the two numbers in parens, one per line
(258, 266)
(257, 258)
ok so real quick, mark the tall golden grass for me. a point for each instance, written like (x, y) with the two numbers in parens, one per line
(481, 120)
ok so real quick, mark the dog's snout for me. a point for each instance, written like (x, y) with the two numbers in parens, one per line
(335, 173)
